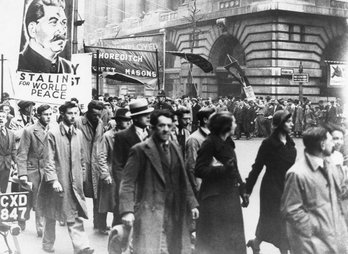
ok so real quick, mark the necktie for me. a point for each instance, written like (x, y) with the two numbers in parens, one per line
(165, 148)
(70, 133)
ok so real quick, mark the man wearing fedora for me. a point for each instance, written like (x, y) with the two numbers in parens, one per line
(125, 139)
(156, 197)
(109, 190)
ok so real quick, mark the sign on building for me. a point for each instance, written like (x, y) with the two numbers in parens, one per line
(304, 78)
(287, 72)
(337, 74)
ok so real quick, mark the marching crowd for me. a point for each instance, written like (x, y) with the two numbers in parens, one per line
(167, 171)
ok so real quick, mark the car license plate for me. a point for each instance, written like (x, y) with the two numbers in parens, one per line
(14, 206)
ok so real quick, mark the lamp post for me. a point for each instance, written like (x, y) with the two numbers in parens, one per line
(300, 70)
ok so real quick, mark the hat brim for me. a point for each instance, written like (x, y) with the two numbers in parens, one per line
(147, 111)
(122, 118)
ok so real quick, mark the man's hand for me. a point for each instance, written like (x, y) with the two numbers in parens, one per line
(108, 180)
(245, 198)
(128, 219)
(195, 213)
(23, 179)
(57, 187)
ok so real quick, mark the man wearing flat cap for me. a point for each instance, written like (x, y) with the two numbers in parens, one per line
(108, 191)
(125, 139)
(25, 118)
(195, 108)
(161, 103)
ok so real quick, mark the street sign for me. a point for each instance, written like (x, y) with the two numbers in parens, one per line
(14, 206)
(287, 72)
(304, 78)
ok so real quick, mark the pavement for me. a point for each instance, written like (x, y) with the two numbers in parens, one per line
(246, 153)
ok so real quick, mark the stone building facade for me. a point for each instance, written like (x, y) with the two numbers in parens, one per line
(269, 38)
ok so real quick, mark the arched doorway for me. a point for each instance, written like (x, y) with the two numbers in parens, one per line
(223, 46)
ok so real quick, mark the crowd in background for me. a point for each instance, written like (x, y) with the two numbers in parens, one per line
(253, 117)
(109, 127)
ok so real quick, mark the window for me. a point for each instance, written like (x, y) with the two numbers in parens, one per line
(296, 32)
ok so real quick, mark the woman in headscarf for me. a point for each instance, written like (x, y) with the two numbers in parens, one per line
(220, 228)
(278, 154)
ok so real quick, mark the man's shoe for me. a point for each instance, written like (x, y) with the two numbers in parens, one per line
(48, 249)
(252, 245)
(103, 231)
(86, 251)
(21, 224)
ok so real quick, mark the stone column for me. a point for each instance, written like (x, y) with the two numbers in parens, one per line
(151, 5)
(134, 8)
(115, 11)
(168, 4)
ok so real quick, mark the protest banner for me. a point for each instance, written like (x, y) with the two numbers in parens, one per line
(249, 93)
(56, 88)
(141, 65)
(151, 42)
(45, 44)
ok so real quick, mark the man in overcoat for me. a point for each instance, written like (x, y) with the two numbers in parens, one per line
(155, 195)
(194, 143)
(30, 157)
(91, 127)
(108, 190)
(8, 151)
(61, 196)
(310, 202)
(125, 139)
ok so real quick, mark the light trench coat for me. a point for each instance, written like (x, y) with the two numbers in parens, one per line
(91, 148)
(312, 210)
(64, 162)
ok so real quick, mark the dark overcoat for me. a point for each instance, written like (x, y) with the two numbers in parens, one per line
(220, 227)
(91, 147)
(124, 140)
(64, 162)
(30, 156)
(143, 192)
(277, 158)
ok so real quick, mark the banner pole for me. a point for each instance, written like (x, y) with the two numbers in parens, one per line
(2, 77)
(164, 58)
(97, 81)
(157, 67)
